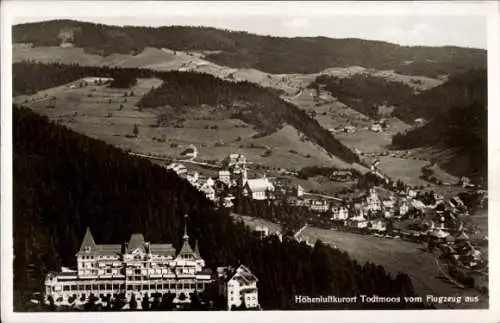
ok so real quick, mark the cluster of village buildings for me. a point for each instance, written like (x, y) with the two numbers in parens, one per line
(380, 211)
(142, 269)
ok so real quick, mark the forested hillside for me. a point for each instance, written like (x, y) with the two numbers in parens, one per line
(251, 103)
(64, 182)
(461, 90)
(458, 122)
(462, 129)
(244, 50)
(364, 93)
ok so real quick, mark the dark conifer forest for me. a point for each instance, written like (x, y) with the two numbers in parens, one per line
(244, 50)
(463, 129)
(460, 90)
(64, 182)
(365, 93)
(458, 120)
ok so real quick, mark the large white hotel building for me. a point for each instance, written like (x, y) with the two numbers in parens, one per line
(137, 268)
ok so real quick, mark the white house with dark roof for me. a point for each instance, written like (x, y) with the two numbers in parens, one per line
(136, 267)
(239, 287)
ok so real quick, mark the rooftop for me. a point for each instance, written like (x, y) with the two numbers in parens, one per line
(259, 184)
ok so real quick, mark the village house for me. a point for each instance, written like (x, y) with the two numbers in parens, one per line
(179, 169)
(357, 222)
(376, 128)
(419, 122)
(341, 175)
(403, 206)
(137, 267)
(193, 178)
(236, 165)
(373, 202)
(227, 201)
(378, 225)
(239, 287)
(299, 191)
(208, 188)
(358, 219)
(225, 177)
(340, 213)
(319, 205)
(349, 129)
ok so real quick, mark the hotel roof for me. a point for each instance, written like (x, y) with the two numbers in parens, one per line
(89, 247)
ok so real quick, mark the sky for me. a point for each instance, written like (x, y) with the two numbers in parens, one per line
(406, 27)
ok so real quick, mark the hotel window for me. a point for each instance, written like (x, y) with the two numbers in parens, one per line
(129, 287)
(66, 288)
(179, 286)
(87, 287)
(192, 286)
(145, 287)
(200, 285)
(74, 287)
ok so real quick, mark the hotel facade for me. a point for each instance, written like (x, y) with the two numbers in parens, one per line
(137, 267)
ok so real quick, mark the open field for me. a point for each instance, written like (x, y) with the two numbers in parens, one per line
(407, 170)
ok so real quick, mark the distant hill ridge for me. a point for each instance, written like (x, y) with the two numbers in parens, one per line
(244, 50)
